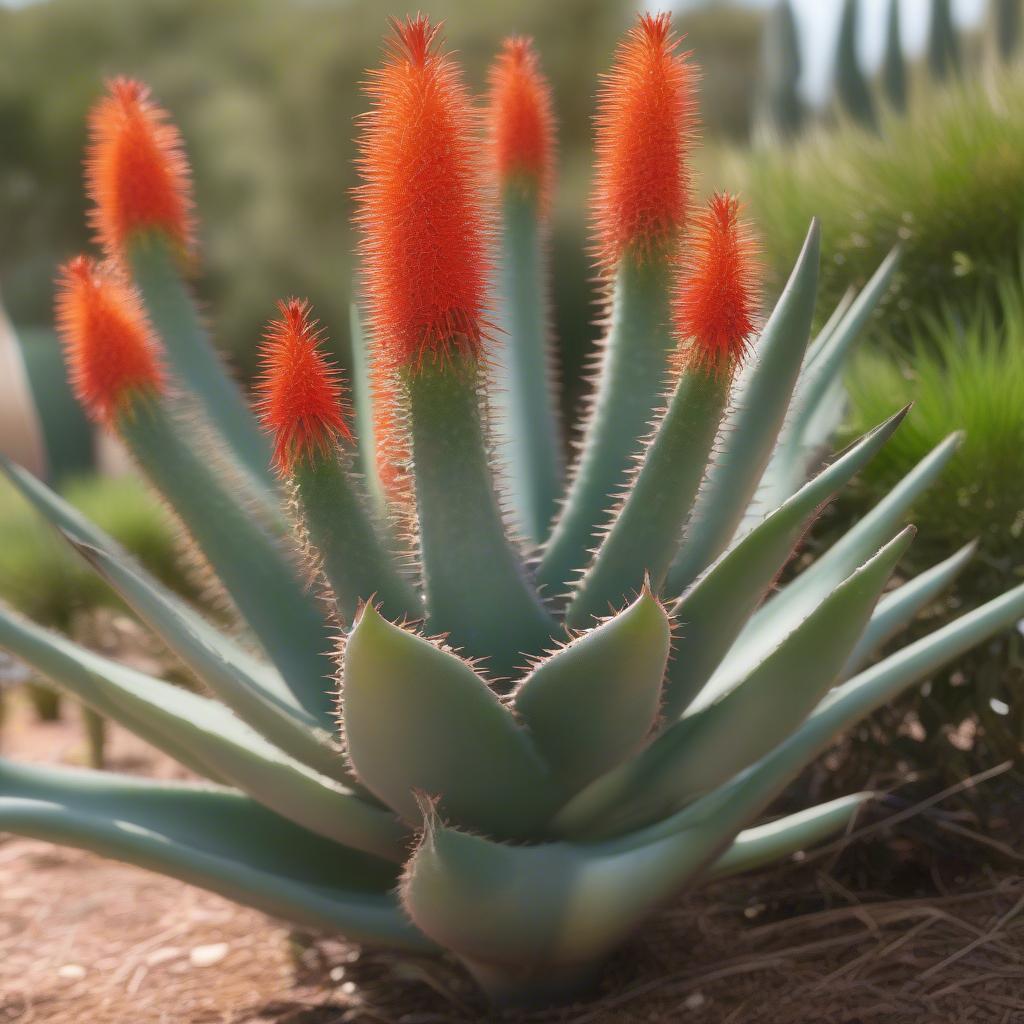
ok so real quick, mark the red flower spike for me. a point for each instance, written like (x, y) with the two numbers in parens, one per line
(715, 303)
(300, 392)
(421, 211)
(108, 344)
(521, 121)
(645, 124)
(136, 171)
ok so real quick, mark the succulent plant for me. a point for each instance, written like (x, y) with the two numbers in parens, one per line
(523, 751)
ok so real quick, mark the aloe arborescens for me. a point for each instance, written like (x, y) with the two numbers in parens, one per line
(517, 760)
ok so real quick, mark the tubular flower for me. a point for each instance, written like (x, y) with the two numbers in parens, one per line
(136, 171)
(645, 124)
(425, 232)
(108, 344)
(520, 120)
(300, 391)
(715, 302)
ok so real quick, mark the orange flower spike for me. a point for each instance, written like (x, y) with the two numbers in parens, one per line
(425, 227)
(521, 121)
(300, 392)
(645, 124)
(136, 171)
(715, 303)
(108, 345)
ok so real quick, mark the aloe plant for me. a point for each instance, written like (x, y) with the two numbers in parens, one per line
(515, 760)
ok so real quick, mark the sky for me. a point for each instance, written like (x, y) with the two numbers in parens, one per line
(819, 23)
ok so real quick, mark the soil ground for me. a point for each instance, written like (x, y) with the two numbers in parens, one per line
(90, 941)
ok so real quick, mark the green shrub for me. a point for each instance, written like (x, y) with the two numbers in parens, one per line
(967, 370)
(947, 181)
(41, 578)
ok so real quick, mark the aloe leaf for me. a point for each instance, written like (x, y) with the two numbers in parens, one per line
(764, 844)
(751, 791)
(525, 424)
(826, 367)
(259, 574)
(475, 581)
(419, 719)
(815, 348)
(791, 604)
(68, 521)
(818, 403)
(630, 386)
(554, 911)
(213, 838)
(210, 737)
(896, 610)
(752, 426)
(200, 648)
(714, 609)
(192, 357)
(707, 747)
(593, 703)
(644, 534)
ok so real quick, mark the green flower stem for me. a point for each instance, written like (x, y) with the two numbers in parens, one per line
(476, 585)
(525, 424)
(256, 571)
(629, 388)
(355, 562)
(644, 536)
(362, 399)
(190, 353)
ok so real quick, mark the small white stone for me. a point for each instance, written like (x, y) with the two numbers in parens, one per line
(694, 1001)
(71, 972)
(207, 956)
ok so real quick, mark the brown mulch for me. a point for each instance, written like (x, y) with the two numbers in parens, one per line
(88, 941)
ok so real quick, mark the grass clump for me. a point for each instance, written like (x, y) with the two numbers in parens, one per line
(945, 181)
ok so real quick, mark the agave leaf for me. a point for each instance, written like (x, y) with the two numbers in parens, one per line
(259, 572)
(794, 602)
(199, 646)
(706, 748)
(592, 704)
(193, 358)
(714, 609)
(418, 718)
(899, 608)
(751, 427)
(69, 522)
(213, 838)
(210, 736)
(764, 844)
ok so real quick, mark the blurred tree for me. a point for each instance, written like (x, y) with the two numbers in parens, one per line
(894, 69)
(779, 111)
(1006, 23)
(944, 58)
(851, 87)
